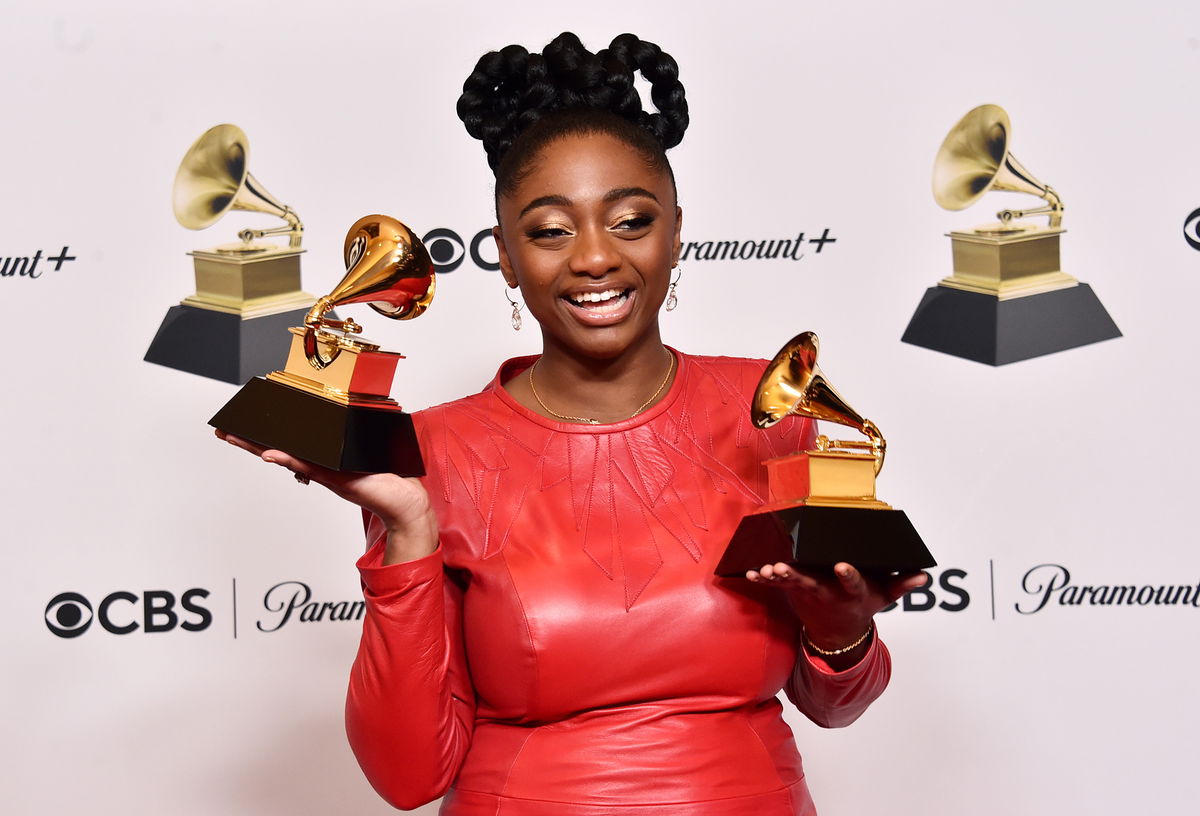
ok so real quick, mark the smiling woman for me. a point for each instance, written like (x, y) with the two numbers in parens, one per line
(544, 632)
(590, 235)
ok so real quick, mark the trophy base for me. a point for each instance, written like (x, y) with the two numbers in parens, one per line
(989, 330)
(339, 437)
(220, 345)
(874, 541)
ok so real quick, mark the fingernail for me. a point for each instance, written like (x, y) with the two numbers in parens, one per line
(269, 459)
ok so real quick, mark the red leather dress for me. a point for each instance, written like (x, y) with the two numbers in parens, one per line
(568, 651)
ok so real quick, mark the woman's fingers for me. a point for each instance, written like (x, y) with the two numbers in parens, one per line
(238, 442)
(887, 590)
(852, 580)
(303, 471)
(847, 582)
(770, 572)
(836, 607)
(901, 585)
(782, 574)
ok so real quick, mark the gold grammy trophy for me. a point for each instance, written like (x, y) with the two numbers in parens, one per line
(821, 506)
(330, 404)
(247, 292)
(1008, 298)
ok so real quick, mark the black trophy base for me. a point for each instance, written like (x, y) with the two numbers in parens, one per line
(874, 541)
(223, 346)
(988, 330)
(340, 437)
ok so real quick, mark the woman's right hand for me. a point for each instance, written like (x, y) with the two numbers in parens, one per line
(400, 502)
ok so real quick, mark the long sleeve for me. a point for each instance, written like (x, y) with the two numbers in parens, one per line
(410, 703)
(836, 699)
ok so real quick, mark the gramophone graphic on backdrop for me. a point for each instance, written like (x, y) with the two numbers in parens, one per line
(1008, 298)
(330, 404)
(247, 292)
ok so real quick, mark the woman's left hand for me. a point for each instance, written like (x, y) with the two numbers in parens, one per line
(836, 610)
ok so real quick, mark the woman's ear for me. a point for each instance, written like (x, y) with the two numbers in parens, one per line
(678, 240)
(506, 269)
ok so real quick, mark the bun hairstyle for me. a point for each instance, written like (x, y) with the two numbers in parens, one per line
(516, 102)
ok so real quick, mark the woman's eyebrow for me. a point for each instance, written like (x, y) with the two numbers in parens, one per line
(546, 201)
(628, 192)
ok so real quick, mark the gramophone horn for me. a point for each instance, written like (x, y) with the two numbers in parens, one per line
(213, 179)
(793, 384)
(975, 158)
(387, 267)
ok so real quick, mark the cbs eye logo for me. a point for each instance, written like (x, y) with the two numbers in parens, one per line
(448, 251)
(1191, 229)
(69, 614)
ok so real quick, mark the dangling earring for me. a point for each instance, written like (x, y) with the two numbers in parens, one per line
(516, 312)
(673, 301)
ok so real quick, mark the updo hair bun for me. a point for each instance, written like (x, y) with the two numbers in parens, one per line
(511, 89)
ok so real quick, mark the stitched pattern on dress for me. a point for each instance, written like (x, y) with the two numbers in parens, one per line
(651, 476)
(600, 534)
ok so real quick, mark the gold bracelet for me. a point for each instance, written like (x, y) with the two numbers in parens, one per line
(835, 652)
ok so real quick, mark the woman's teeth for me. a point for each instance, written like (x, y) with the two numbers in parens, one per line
(607, 300)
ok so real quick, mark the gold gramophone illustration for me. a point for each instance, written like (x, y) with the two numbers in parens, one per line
(330, 404)
(821, 505)
(1007, 298)
(247, 291)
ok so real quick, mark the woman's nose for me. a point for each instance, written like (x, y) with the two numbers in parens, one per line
(594, 254)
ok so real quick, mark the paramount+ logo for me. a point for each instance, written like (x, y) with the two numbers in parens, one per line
(70, 614)
(1052, 585)
(35, 265)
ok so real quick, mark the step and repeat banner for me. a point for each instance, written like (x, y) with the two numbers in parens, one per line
(179, 619)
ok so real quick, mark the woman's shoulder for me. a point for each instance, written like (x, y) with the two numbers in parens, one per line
(467, 422)
(741, 366)
(735, 375)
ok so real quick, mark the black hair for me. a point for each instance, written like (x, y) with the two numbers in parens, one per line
(516, 102)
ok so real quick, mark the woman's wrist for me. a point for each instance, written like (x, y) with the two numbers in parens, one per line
(398, 552)
(404, 543)
(837, 646)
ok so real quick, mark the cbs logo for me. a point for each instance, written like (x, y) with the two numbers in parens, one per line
(70, 614)
(1191, 229)
(448, 251)
(953, 597)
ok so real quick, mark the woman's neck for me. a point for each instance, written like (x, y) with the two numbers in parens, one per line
(568, 386)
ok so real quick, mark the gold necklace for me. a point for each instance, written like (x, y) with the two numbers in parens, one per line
(590, 420)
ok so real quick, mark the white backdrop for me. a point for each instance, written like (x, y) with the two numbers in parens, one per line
(806, 116)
